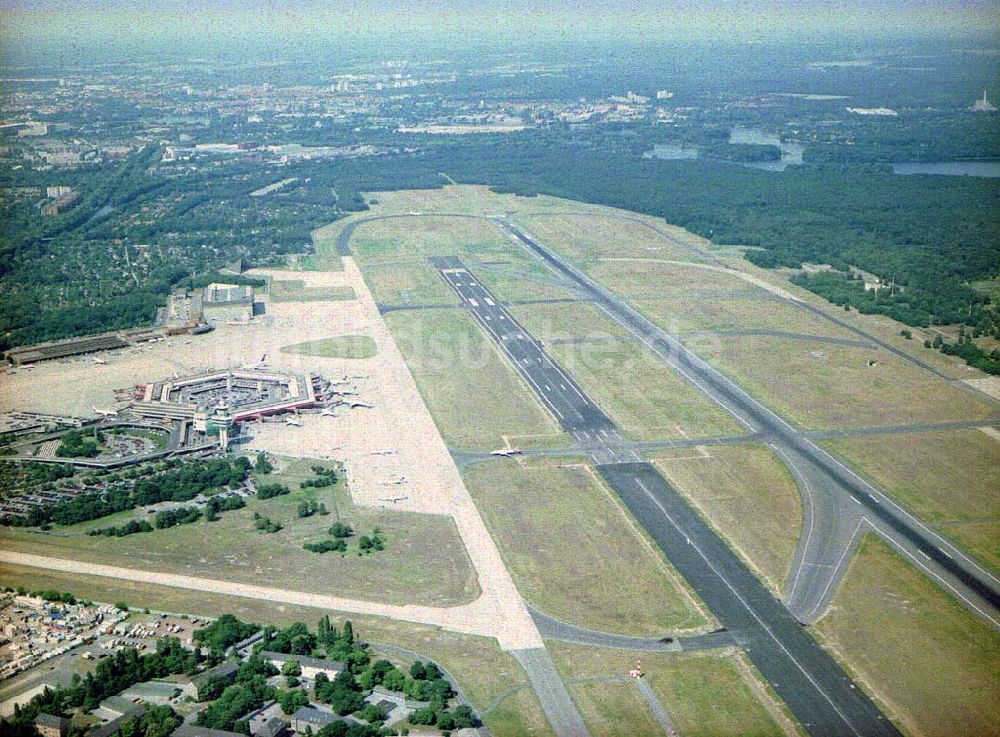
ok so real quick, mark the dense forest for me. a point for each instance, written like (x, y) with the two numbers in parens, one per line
(929, 235)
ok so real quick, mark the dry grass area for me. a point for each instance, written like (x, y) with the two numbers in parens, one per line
(474, 395)
(414, 239)
(710, 694)
(473, 199)
(412, 283)
(517, 286)
(342, 346)
(482, 669)
(950, 479)
(748, 496)
(833, 386)
(644, 397)
(589, 237)
(574, 552)
(653, 278)
(709, 312)
(614, 709)
(928, 661)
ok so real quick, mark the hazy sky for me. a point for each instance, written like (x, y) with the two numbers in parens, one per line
(87, 20)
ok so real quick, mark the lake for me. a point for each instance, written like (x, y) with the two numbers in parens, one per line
(950, 168)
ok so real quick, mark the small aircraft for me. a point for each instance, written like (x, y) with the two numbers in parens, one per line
(358, 376)
(101, 361)
(395, 482)
(506, 452)
(293, 422)
(259, 363)
(327, 412)
(384, 452)
(353, 405)
(393, 499)
(105, 412)
(28, 366)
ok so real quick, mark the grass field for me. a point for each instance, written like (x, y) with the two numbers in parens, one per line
(343, 346)
(574, 553)
(414, 239)
(474, 395)
(472, 199)
(712, 694)
(950, 479)
(411, 283)
(424, 561)
(614, 709)
(653, 278)
(325, 259)
(589, 237)
(929, 662)
(708, 312)
(646, 399)
(748, 496)
(484, 672)
(513, 287)
(837, 388)
(295, 290)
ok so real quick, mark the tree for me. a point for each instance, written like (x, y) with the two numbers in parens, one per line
(263, 465)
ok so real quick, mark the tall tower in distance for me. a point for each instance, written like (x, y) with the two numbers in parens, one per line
(983, 106)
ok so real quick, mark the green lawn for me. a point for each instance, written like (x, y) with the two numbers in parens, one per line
(950, 479)
(573, 551)
(343, 346)
(474, 395)
(930, 663)
(424, 561)
(748, 496)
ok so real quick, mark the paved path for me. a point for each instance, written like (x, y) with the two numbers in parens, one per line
(554, 629)
(556, 702)
(656, 707)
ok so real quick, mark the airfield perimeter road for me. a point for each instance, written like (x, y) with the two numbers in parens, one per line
(814, 687)
(839, 504)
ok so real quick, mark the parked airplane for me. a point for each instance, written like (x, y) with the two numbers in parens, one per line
(393, 499)
(101, 361)
(293, 422)
(506, 452)
(106, 412)
(384, 452)
(352, 405)
(328, 412)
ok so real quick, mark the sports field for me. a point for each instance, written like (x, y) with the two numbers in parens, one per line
(950, 479)
(424, 560)
(749, 497)
(927, 660)
(574, 552)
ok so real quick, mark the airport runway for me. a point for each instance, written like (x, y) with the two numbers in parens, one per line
(839, 504)
(813, 686)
